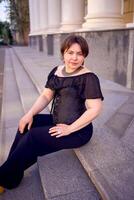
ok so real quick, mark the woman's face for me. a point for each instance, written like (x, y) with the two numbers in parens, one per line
(73, 57)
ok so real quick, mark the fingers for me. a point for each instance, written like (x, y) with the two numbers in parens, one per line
(21, 128)
(25, 120)
(56, 131)
(29, 125)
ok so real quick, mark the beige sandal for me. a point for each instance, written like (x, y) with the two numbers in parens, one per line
(2, 189)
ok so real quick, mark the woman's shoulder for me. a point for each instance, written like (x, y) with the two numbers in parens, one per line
(89, 72)
(83, 71)
(86, 70)
(52, 72)
(58, 70)
(84, 74)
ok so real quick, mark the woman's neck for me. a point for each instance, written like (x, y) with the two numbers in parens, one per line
(67, 72)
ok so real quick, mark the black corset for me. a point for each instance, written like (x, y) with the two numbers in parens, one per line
(67, 106)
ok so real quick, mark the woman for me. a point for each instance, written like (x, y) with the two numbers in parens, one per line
(77, 100)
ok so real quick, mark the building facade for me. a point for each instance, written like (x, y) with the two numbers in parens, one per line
(106, 24)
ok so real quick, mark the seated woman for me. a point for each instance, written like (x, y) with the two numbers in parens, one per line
(77, 101)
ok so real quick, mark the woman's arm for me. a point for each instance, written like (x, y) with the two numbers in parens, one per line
(94, 107)
(42, 101)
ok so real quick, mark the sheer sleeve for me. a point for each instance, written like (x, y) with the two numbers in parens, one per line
(92, 89)
(50, 79)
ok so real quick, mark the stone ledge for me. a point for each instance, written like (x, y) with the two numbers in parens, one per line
(57, 159)
(105, 152)
(63, 177)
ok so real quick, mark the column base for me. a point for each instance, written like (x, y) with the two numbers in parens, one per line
(53, 30)
(130, 25)
(38, 32)
(70, 27)
(103, 23)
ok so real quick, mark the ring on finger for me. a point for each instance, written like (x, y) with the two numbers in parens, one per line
(59, 131)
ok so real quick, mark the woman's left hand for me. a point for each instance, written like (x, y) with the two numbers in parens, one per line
(60, 130)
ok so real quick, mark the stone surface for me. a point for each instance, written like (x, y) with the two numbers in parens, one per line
(112, 102)
(7, 140)
(2, 57)
(28, 93)
(110, 153)
(63, 177)
(104, 150)
(128, 138)
(119, 123)
(120, 178)
(127, 108)
(69, 187)
(86, 195)
(12, 107)
(30, 187)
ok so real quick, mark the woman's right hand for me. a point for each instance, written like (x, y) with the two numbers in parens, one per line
(27, 119)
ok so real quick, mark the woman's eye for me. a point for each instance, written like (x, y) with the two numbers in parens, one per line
(77, 54)
(70, 52)
(80, 54)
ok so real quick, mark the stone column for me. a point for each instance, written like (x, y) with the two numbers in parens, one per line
(72, 14)
(36, 15)
(104, 14)
(54, 15)
(31, 16)
(43, 15)
(129, 13)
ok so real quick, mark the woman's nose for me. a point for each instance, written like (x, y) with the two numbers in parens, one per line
(74, 56)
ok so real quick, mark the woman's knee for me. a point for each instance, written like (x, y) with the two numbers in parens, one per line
(40, 120)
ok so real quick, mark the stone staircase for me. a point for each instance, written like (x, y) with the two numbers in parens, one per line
(56, 176)
(12, 110)
(106, 161)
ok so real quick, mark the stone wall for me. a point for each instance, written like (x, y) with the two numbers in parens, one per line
(111, 52)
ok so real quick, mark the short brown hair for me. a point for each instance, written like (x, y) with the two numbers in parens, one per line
(71, 39)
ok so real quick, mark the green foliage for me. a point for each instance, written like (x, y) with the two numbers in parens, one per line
(1, 29)
(5, 32)
(18, 11)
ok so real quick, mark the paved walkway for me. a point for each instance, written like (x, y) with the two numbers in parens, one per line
(108, 158)
(30, 188)
(2, 57)
(19, 95)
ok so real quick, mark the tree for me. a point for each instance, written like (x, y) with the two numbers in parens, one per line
(19, 18)
(5, 32)
(19, 15)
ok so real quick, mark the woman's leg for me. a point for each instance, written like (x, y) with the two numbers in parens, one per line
(39, 120)
(9, 176)
(37, 142)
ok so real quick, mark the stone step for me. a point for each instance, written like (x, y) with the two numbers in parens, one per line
(30, 59)
(108, 158)
(60, 167)
(11, 107)
(63, 177)
(30, 187)
(2, 56)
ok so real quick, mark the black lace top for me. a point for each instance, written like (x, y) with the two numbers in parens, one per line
(71, 93)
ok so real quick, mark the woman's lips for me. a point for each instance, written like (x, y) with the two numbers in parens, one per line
(74, 63)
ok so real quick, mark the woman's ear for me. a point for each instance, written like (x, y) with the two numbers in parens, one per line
(83, 63)
(62, 58)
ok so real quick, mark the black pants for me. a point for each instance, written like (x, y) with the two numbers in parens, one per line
(37, 142)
